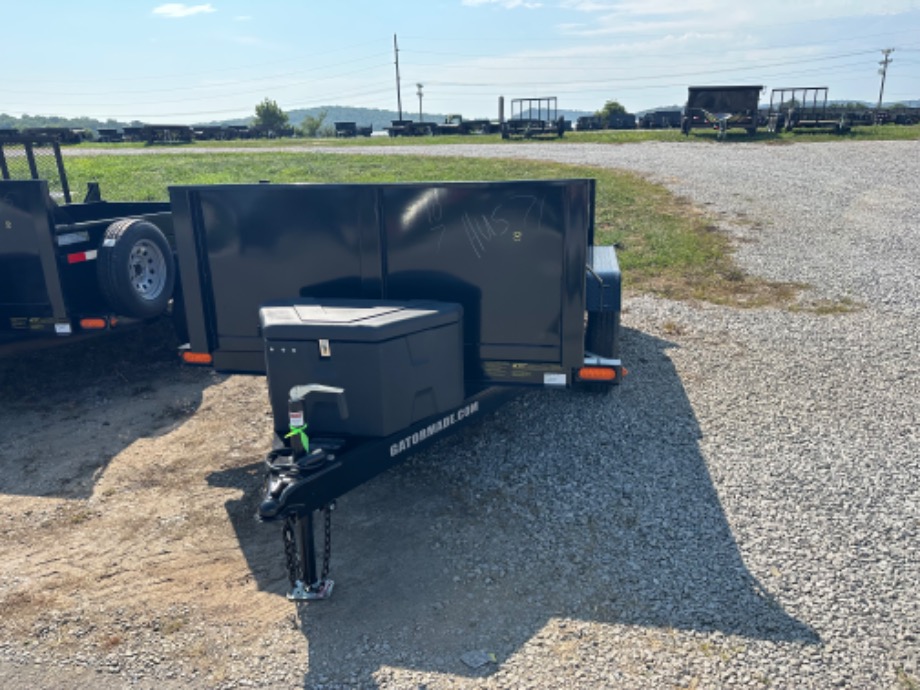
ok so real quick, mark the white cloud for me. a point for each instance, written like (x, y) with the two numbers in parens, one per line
(242, 18)
(507, 4)
(176, 10)
(706, 13)
(661, 17)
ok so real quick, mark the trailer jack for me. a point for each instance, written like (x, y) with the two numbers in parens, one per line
(300, 553)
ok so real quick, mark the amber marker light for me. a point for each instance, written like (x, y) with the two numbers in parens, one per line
(597, 374)
(196, 358)
(93, 324)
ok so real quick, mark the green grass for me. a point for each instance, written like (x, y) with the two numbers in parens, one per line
(665, 245)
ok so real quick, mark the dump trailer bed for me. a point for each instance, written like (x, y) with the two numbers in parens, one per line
(513, 254)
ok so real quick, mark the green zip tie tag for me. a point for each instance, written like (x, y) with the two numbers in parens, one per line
(299, 431)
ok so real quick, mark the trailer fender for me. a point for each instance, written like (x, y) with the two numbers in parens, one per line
(136, 270)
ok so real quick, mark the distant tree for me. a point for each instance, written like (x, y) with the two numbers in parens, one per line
(310, 127)
(611, 108)
(270, 116)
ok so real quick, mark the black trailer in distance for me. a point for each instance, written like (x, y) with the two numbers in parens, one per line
(327, 287)
(722, 108)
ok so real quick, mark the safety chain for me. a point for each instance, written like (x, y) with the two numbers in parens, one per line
(290, 549)
(327, 540)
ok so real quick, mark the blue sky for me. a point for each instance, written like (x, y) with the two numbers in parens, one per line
(195, 62)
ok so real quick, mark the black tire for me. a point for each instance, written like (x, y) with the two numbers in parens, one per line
(135, 269)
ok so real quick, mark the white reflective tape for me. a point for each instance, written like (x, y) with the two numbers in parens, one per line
(90, 255)
(62, 328)
(554, 379)
(72, 238)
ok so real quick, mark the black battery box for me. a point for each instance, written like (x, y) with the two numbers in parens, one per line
(398, 362)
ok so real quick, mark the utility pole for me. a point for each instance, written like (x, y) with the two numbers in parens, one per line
(884, 72)
(419, 92)
(398, 94)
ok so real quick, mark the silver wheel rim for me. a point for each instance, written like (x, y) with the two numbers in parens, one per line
(147, 269)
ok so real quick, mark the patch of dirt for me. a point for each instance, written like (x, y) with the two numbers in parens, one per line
(128, 482)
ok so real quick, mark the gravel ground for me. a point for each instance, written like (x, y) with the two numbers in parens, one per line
(744, 512)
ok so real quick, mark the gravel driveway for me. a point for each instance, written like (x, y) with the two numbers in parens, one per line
(744, 512)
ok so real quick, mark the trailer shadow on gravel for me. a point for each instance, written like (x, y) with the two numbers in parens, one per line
(560, 507)
(69, 409)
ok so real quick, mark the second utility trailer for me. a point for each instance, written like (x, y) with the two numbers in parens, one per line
(74, 268)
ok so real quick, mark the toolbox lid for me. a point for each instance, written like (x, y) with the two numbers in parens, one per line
(354, 320)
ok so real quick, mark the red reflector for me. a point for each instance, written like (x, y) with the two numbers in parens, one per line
(196, 358)
(93, 324)
(79, 257)
(597, 374)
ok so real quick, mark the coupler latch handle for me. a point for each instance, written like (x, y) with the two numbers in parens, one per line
(301, 400)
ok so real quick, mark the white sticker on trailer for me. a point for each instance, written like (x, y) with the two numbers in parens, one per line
(62, 328)
(72, 238)
(554, 379)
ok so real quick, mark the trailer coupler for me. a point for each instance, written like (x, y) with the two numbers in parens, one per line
(282, 500)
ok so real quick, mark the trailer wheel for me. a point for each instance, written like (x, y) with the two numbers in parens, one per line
(135, 268)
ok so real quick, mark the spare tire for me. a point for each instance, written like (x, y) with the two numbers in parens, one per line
(135, 268)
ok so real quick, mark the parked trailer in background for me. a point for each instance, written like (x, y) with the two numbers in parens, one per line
(351, 129)
(533, 117)
(660, 119)
(804, 107)
(613, 121)
(456, 124)
(410, 128)
(722, 108)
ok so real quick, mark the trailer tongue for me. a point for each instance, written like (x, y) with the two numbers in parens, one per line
(387, 316)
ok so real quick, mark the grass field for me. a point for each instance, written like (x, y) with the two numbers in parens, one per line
(665, 245)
